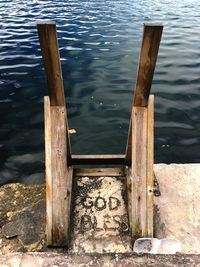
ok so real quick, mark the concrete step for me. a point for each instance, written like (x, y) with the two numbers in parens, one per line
(97, 260)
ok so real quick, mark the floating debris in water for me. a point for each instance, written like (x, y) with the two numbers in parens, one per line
(165, 146)
(72, 131)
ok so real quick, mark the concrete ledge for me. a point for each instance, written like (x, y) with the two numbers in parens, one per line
(100, 221)
(177, 212)
(157, 246)
(103, 260)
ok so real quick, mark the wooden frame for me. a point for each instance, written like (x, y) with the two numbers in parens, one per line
(139, 150)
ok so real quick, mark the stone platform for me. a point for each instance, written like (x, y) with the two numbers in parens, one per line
(99, 216)
(97, 260)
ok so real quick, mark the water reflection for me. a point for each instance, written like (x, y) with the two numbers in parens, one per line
(99, 43)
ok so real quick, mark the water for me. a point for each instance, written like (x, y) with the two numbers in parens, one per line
(99, 45)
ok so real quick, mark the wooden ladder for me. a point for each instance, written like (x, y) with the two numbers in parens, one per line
(138, 158)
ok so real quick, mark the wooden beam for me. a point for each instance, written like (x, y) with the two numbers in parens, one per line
(139, 173)
(58, 175)
(48, 170)
(61, 177)
(147, 62)
(97, 159)
(51, 58)
(146, 66)
(129, 183)
(128, 153)
(99, 172)
(150, 163)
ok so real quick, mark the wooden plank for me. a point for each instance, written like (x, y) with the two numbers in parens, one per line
(99, 172)
(61, 176)
(128, 154)
(48, 172)
(69, 198)
(129, 182)
(140, 176)
(51, 58)
(150, 162)
(147, 62)
(97, 159)
(50, 53)
(139, 172)
(146, 66)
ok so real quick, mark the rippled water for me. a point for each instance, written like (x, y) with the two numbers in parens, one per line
(99, 44)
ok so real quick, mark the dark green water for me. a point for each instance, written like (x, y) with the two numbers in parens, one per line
(99, 44)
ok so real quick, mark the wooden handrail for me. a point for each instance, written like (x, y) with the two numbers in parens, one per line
(147, 62)
(51, 58)
(146, 66)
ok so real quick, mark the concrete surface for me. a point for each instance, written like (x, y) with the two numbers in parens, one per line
(157, 246)
(97, 260)
(100, 219)
(22, 218)
(100, 214)
(177, 212)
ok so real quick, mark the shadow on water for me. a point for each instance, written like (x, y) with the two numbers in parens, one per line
(99, 43)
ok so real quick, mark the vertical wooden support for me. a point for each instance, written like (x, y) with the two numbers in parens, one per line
(58, 176)
(51, 58)
(62, 177)
(48, 170)
(57, 145)
(146, 66)
(139, 171)
(140, 149)
(140, 174)
(150, 162)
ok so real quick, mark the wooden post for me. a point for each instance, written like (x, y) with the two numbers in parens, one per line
(48, 170)
(140, 174)
(146, 66)
(150, 162)
(139, 149)
(58, 176)
(57, 145)
(139, 170)
(51, 58)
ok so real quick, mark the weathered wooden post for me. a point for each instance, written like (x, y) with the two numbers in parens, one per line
(57, 146)
(140, 149)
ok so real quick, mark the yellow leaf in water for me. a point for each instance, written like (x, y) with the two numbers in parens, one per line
(71, 131)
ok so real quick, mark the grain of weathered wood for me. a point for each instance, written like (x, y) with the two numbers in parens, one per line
(50, 53)
(128, 153)
(48, 172)
(147, 62)
(150, 162)
(139, 172)
(146, 66)
(51, 58)
(99, 172)
(69, 199)
(129, 182)
(61, 175)
(97, 159)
